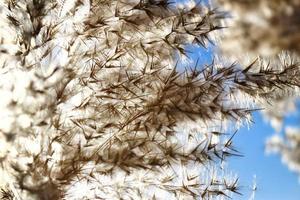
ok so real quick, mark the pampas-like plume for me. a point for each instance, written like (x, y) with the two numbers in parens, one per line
(267, 28)
(263, 28)
(94, 106)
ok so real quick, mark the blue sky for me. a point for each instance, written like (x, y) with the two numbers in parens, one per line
(274, 180)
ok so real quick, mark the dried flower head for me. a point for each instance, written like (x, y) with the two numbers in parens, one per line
(96, 108)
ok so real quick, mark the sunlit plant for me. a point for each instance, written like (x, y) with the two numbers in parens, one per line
(265, 29)
(94, 105)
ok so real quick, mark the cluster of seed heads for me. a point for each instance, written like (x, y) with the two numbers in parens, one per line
(97, 108)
